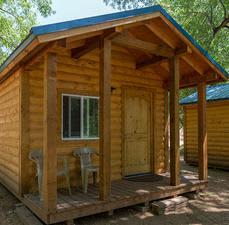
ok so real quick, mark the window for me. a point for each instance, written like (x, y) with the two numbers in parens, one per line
(80, 117)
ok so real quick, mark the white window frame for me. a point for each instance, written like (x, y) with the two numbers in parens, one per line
(82, 97)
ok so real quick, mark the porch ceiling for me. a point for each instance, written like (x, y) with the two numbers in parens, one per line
(137, 40)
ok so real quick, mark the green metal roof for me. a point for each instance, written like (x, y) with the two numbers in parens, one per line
(213, 93)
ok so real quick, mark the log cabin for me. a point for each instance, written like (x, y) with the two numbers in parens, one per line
(217, 126)
(129, 66)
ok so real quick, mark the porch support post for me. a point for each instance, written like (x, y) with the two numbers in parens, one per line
(174, 121)
(202, 132)
(105, 118)
(49, 187)
(166, 134)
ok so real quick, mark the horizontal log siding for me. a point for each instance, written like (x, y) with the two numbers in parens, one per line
(218, 134)
(9, 133)
(82, 77)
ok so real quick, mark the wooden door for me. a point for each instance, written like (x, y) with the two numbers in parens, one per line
(136, 135)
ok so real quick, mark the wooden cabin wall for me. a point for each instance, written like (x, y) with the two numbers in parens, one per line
(82, 77)
(218, 134)
(9, 133)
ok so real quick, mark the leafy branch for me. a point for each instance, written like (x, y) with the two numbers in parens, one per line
(9, 13)
(16, 19)
(224, 23)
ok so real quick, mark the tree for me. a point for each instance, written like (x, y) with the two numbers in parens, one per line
(206, 20)
(16, 19)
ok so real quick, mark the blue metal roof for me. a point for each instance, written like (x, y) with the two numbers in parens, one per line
(52, 28)
(213, 93)
(73, 24)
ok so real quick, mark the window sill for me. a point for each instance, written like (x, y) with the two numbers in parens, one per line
(79, 139)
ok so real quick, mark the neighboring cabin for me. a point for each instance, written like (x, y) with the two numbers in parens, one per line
(101, 82)
(217, 126)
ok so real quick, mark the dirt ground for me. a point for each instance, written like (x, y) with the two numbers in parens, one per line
(211, 208)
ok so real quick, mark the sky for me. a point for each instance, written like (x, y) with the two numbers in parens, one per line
(75, 9)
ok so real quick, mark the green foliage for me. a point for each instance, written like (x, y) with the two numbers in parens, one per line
(184, 93)
(187, 91)
(206, 20)
(16, 19)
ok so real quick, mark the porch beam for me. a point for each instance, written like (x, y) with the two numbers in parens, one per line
(167, 38)
(202, 132)
(62, 43)
(89, 46)
(174, 121)
(49, 187)
(93, 43)
(194, 63)
(85, 36)
(180, 48)
(150, 62)
(134, 43)
(192, 79)
(105, 118)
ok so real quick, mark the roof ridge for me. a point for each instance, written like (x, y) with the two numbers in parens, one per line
(97, 19)
(149, 8)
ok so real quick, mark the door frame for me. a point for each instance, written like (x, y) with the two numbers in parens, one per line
(152, 92)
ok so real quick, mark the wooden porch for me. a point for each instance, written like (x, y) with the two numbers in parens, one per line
(124, 193)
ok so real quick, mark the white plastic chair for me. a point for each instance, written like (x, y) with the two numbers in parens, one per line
(87, 167)
(37, 157)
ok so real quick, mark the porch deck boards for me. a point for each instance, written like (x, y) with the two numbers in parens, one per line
(123, 193)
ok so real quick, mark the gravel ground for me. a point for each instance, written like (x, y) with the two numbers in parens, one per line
(7, 207)
(210, 208)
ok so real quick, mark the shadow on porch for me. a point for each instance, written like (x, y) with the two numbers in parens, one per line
(123, 193)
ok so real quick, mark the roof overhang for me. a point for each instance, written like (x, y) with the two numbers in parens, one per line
(208, 101)
(214, 93)
(41, 35)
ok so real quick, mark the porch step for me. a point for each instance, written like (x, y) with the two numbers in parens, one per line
(26, 216)
(142, 207)
(164, 206)
(191, 195)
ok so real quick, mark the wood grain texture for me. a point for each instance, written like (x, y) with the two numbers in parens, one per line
(82, 77)
(131, 42)
(202, 132)
(9, 133)
(49, 186)
(166, 135)
(185, 134)
(217, 123)
(24, 130)
(137, 131)
(105, 119)
(123, 194)
(174, 122)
